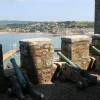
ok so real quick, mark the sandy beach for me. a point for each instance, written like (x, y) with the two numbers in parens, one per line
(2, 33)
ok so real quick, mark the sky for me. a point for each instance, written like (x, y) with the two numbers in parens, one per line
(47, 10)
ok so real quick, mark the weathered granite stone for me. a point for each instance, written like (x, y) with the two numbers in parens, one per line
(44, 75)
(96, 43)
(37, 58)
(76, 48)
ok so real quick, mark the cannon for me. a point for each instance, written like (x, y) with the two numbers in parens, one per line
(73, 72)
(14, 89)
(19, 81)
(95, 50)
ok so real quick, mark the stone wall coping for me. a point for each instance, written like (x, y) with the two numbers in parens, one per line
(76, 38)
(96, 36)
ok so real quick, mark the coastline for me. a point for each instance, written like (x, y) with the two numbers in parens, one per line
(39, 33)
(1, 33)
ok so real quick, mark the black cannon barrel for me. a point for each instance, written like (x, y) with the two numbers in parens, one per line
(25, 82)
(83, 75)
(18, 73)
(95, 50)
(35, 94)
(67, 60)
(15, 88)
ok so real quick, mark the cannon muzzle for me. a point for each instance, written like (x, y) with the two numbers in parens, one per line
(95, 50)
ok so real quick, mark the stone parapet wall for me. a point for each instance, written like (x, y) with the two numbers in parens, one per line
(76, 48)
(37, 58)
(3, 82)
(97, 17)
(96, 43)
(96, 40)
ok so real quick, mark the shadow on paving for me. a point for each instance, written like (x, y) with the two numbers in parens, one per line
(65, 91)
(68, 91)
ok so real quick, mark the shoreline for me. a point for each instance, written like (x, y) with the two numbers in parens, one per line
(1, 33)
(40, 33)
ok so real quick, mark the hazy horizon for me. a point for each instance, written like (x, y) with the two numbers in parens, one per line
(49, 21)
(47, 10)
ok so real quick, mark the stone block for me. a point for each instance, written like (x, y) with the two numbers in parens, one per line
(45, 75)
(96, 43)
(76, 48)
(36, 57)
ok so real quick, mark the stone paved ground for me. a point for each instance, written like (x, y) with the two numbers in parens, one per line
(65, 91)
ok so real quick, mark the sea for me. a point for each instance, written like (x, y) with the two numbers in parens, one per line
(10, 41)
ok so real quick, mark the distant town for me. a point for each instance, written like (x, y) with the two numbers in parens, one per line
(63, 27)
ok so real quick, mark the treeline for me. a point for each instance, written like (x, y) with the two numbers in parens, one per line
(79, 24)
(44, 26)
